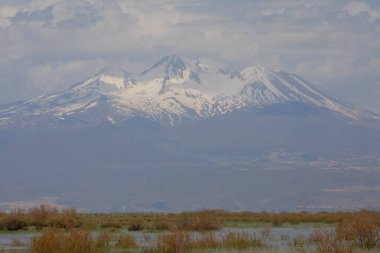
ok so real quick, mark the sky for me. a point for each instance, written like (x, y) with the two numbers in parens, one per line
(48, 45)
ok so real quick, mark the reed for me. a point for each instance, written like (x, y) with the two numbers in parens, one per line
(329, 243)
(241, 240)
(59, 241)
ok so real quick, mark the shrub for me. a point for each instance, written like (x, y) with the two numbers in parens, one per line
(276, 220)
(366, 231)
(39, 216)
(362, 229)
(162, 225)
(58, 241)
(136, 226)
(16, 220)
(200, 221)
(111, 225)
(68, 218)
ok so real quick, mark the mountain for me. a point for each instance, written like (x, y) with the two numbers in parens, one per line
(173, 89)
(184, 135)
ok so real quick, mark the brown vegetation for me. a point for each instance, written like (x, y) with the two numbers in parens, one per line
(15, 220)
(358, 230)
(46, 216)
(185, 242)
(199, 221)
(353, 229)
(57, 241)
(136, 225)
(39, 216)
(126, 242)
(363, 231)
(329, 243)
(68, 218)
(43, 216)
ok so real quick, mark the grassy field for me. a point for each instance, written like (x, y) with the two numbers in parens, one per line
(48, 230)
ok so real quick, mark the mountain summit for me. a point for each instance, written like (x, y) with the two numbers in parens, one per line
(172, 89)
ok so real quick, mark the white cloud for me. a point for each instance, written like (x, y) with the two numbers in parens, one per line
(357, 8)
(49, 76)
(6, 13)
(52, 43)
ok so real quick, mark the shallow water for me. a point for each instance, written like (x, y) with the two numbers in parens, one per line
(277, 239)
(11, 241)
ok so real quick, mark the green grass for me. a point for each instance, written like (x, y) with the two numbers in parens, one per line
(244, 224)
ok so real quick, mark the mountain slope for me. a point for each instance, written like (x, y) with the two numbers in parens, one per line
(247, 160)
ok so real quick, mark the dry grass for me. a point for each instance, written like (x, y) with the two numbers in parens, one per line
(112, 225)
(207, 240)
(39, 216)
(15, 220)
(58, 241)
(185, 242)
(276, 220)
(163, 225)
(104, 239)
(200, 221)
(353, 230)
(329, 243)
(136, 225)
(45, 216)
(358, 232)
(363, 231)
(68, 219)
(177, 242)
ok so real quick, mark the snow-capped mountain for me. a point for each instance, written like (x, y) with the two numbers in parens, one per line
(159, 139)
(172, 89)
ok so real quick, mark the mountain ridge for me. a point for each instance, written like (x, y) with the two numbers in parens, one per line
(175, 88)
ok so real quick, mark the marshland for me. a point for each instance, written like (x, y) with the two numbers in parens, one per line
(45, 229)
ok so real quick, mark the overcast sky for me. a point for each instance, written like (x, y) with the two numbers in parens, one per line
(47, 45)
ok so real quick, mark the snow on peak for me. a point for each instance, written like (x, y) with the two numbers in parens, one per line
(176, 87)
(106, 80)
(172, 66)
(254, 72)
(113, 71)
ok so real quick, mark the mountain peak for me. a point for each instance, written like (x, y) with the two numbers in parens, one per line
(171, 66)
(107, 79)
(254, 71)
(113, 71)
